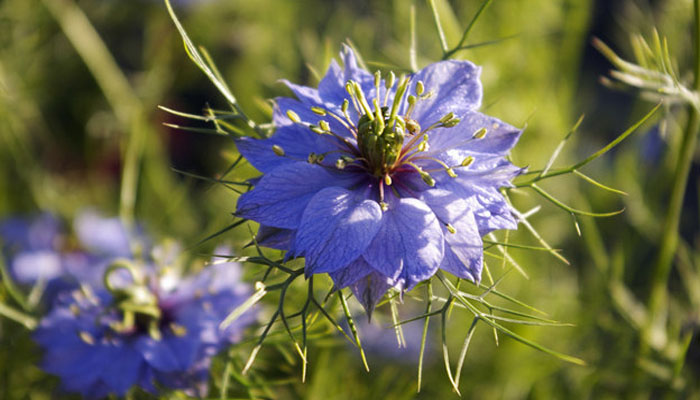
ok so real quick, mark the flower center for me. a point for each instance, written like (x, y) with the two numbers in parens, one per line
(137, 303)
(386, 138)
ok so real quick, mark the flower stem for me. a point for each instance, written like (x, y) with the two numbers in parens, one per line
(669, 238)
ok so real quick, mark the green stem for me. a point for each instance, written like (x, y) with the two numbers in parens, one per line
(669, 237)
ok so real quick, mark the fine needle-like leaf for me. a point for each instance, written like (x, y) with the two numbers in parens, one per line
(450, 287)
(353, 328)
(438, 26)
(465, 347)
(424, 336)
(460, 45)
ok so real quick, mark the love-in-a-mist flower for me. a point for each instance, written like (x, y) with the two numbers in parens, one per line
(40, 251)
(152, 331)
(381, 181)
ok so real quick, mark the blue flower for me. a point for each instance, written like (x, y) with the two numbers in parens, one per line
(33, 246)
(380, 182)
(153, 332)
(40, 252)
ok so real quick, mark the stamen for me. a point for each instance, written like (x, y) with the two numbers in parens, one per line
(413, 126)
(398, 97)
(420, 88)
(467, 161)
(387, 180)
(86, 337)
(451, 228)
(318, 110)
(324, 125)
(377, 82)
(380, 116)
(362, 99)
(351, 92)
(480, 133)
(178, 330)
(424, 175)
(389, 85)
(447, 117)
(294, 117)
(278, 150)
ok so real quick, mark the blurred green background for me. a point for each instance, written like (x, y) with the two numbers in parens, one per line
(79, 85)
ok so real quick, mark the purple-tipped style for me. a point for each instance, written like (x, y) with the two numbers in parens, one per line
(152, 332)
(380, 182)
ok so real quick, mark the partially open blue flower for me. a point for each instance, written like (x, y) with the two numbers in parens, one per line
(381, 182)
(149, 333)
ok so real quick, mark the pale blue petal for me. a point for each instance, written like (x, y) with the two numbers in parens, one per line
(353, 272)
(157, 354)
(336, 228)
(281, 196)
(464, 249)
(370, 289)
(453, 145)
(409, 246)
(456, 88)
(275, 238)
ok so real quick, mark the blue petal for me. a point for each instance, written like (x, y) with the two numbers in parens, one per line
(370, 289)
(296, 141)
(456, 88)
(336, 228)
(39, 233)
(281, 196)
(30, 267)
(281, 119)
(275, 238)
(409, 246)
(332, 87)
(464, 248)
(157, 354)
(122, 370)
(452, 145)
(305, 94)
(353, 272)
(106, 236)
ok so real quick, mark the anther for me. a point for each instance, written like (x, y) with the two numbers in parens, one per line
(420, 88)
(412, 100)
(278, 150)
(340, 163)
(392, 79)
(294, 117)
(319, 110)
(345, 106)
(362, 99)
(377, 79)
(316, 129)
(451, 228)
(427, 178)
(312, 158)
(387, 180)
(480, 133)
(178, 330)
(447, 117)
(451, 123)
(384, 206)
(86, 337)
(467, 161)
(412, 126)
(74, 309)
(324, 125)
